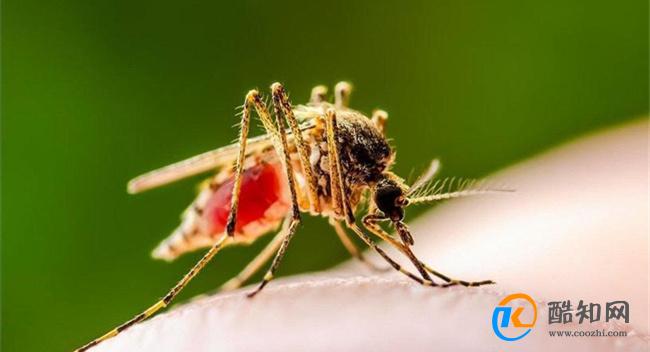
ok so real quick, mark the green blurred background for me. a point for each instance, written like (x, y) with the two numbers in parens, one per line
(95, 92)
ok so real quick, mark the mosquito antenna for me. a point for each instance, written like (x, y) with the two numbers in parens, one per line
(464, 187)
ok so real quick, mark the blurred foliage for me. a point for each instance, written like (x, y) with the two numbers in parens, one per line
(95, 92)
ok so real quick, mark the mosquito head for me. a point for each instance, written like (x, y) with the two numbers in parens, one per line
(390, 198)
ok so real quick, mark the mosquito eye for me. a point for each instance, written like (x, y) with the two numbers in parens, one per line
(401, 201)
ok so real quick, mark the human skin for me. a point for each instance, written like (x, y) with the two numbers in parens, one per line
(576, 228)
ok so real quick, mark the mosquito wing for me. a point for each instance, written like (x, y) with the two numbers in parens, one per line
(207, 161)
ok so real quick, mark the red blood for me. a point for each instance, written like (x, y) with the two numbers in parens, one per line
(261, 187)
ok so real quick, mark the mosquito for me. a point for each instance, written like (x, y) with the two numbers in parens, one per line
(318, 158)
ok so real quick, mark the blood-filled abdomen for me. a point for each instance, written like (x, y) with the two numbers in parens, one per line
(263, 201)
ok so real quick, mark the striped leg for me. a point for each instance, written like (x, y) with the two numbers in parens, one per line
(261, 259)
(282, 105)
(387, 258)
(405, 249)
(167, 299)
(370, 222)
(293, 225)
(253, 99)
(337, 185)
(352, 249)
(453, 282)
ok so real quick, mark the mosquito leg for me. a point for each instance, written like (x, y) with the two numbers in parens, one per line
(318, 95)
(293, 225)
(282, 105)
(352, 249)
(337, 184)
(387, 258)
(167, 299)
(370, 222)
(255, 265)
(342, 92)
(279, 105)
(279, 139)
(371, 225)
(453, 282)
(253, 99)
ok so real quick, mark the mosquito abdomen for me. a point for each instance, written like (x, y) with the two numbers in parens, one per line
(262, 187)
(263, 203)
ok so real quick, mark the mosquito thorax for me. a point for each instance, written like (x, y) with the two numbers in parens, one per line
(364, 151)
